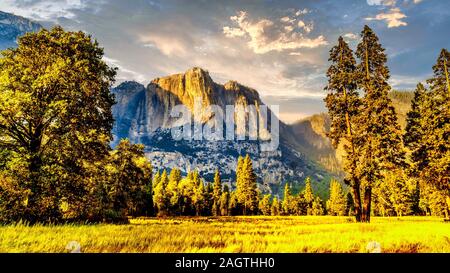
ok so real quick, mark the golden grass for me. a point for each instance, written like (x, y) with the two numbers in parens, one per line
(235, 234)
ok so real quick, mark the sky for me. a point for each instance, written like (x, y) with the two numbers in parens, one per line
(280, 48)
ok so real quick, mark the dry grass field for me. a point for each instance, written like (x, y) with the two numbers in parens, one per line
(235, 234)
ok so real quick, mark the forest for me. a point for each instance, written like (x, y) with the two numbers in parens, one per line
(57, 166)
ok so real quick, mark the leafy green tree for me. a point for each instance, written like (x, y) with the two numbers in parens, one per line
(186, 188)
(173, 192)
(380, 143)
(217, 194)
(343, 105)
(337, 204)
(265, 205)
(160, 197)
(129, 173)
(55, 120)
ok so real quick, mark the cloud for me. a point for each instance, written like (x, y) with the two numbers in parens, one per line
(350, 36)
(45, 10)
(123, 72)
(394, 18)
(233, 32)
(402, 82)
(265, 35)
(301, 12)
(390, 3)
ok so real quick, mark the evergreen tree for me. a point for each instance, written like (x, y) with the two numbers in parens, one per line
(240, 186)
(275, 209)
(225, 201)
(343, 105)
(173, 192)
(235, 208)
(437, 168)
(317, 207)
(199, 195)
(217, 194)
(380, 138)
(161, 199)
(308, 196)
(265, 206)
(337, 204)
(415, 130)
(287, 201)
(246, 190)
(250, 187)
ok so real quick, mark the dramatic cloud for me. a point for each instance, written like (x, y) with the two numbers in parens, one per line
(393, 18)
(266, 35)
(279, 48)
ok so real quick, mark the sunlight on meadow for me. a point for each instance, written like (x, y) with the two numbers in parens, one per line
(235, 234)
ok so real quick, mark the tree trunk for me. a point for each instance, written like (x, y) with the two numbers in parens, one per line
(357, 200)
(367, 205)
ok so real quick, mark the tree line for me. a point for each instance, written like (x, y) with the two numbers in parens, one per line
(174, 195)
(389, 171)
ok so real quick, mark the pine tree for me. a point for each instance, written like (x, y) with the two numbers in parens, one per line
(415, 130)
(317, 207)
(275, 209)
(308, 195)
(380, 137)
(286, 205)
(427, 133)
(173, 192)
(240, 186)
(246, 189)
(234, 208)
(217, 194)
(337, 203)
(250, 187)
(225, 201)
(265, 206)
(343, 105)
(161, 199)
(437, 168)
(199, 196)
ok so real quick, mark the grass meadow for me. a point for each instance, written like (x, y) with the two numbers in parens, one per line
(235, 234)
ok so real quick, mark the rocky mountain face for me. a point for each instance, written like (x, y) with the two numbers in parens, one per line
(12, 26)
(143, 115)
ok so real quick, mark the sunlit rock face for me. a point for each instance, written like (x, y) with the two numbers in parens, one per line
(142, 115)
(12, 27)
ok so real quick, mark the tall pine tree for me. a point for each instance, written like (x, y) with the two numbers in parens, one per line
(343, 104)
(378, 130)
(217, 194)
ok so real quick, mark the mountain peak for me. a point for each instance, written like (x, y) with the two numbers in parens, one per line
(13, 26)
